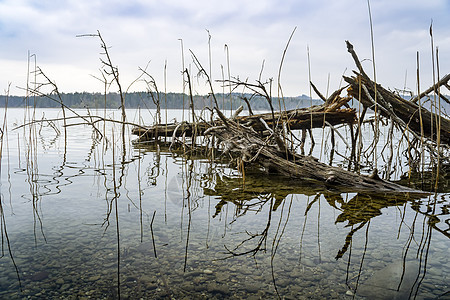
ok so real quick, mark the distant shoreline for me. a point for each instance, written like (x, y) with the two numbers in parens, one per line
(147, 100)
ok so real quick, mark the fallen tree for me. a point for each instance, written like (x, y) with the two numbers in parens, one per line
(273, 155)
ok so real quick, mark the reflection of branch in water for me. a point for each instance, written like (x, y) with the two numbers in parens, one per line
(318, 233)
(260, 245)
(33, 178)
(166, 172)
(252, 197)
(425, 246)
(433, 217)
(277, 239)
(140, 192)
(52, 141)
(3, 229)
(362, 258)
(348, 240)
(4, 234)
(406, 249)
(183, 189)
(154, 170)
(308, 207)
(153, 237)
(115, 199)
(303, 231)
(358, 212)
(362, 208)
(188, 198)
(209, 178)
(112, 204)
(225, 223)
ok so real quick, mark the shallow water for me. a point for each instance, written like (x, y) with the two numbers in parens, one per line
(85, 219)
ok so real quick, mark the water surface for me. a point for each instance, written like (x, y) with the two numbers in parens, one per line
(91, 217)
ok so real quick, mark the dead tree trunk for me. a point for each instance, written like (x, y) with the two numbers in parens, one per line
(272, 154)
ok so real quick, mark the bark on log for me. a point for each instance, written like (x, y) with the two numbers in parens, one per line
(172, 129)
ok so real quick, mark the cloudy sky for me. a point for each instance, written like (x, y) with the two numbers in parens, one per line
(141, 32)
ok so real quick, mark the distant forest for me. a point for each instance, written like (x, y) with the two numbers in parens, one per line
(149, 100)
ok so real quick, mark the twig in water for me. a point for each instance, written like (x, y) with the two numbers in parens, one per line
(153, 237)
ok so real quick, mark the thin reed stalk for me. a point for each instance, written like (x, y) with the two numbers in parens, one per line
(165, 97)
(438, 138)
(210, 65)
(422, 154)
(279, 88)
(182, 76)
(229, 77)
(115, 200)
(376, 130)
(309, 80)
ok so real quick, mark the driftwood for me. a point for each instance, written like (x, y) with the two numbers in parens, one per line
(150, 133)
(328, 114)
(407, 114)
(272, 154)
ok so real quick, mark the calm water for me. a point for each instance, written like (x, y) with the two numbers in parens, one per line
(85, 219)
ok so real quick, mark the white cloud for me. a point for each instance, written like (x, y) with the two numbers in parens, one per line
(142, 31)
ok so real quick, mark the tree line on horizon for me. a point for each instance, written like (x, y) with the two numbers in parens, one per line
(149, 100)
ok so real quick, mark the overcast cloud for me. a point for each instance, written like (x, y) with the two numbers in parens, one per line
(139, 32)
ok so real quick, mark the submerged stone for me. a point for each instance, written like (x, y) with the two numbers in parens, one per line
(93, 278)
(218, 288)
(40, 276)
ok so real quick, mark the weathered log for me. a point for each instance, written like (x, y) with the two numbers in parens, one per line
(171, 129)
(303, 118)
(405, 113)
(245, 143)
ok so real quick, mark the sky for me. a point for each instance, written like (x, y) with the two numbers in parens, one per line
(245, 39)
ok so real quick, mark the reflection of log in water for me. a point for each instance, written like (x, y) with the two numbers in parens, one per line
(242, 195)
(255, 193)
(251, 195)
(360, 209)
(356, 213)
(426, 180)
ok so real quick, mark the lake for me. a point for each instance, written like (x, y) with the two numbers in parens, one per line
(92, 217)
